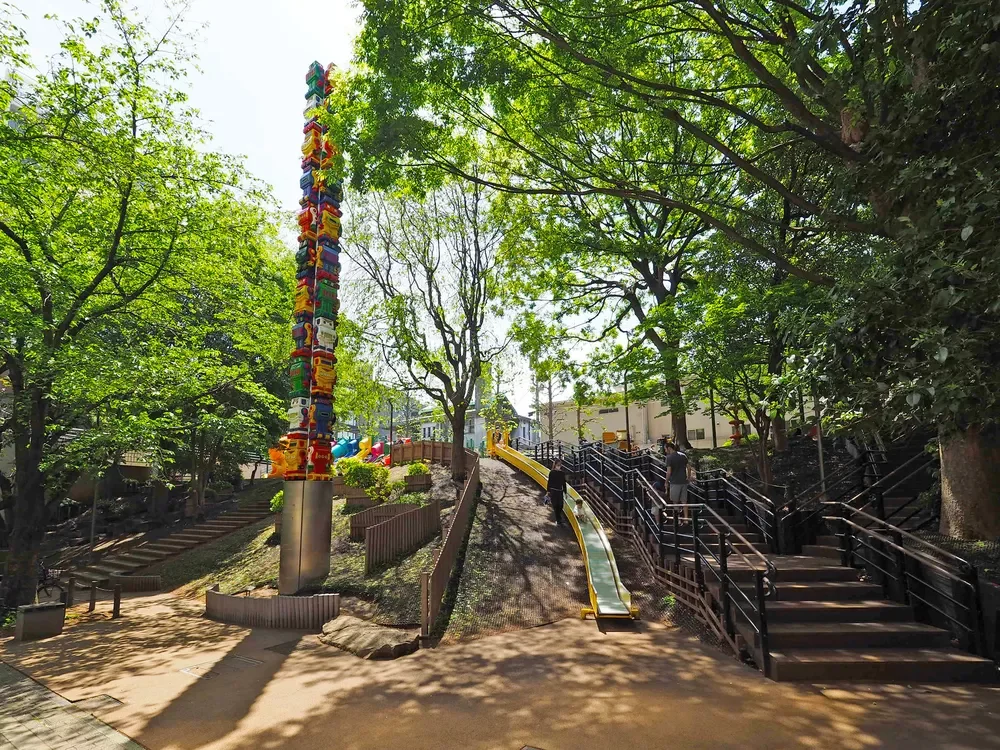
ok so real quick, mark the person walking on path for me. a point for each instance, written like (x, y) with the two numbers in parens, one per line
(555, 489)
(678, 473)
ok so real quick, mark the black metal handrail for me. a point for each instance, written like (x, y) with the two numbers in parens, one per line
(922, 578)
(710, 544)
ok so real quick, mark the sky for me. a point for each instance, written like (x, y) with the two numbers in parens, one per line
(250, 91)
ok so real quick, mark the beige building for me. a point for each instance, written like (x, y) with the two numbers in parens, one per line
(648, 422)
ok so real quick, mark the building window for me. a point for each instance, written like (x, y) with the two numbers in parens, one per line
(745, 429)
(696, 434)
(613, 410)
(470, 426)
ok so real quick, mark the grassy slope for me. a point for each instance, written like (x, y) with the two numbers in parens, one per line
(244, 558)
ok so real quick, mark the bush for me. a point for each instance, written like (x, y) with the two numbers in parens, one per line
(418, 468)
(416, 498)
(753, 437)
(278, 501)
(359, 474)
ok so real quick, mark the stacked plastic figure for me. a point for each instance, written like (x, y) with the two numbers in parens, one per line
(311, 418)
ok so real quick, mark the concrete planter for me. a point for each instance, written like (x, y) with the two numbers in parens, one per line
(418, 482)
(36, 621)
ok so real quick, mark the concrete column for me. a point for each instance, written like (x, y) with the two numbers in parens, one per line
(305, 534)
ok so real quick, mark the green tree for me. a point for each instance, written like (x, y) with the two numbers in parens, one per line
(891, 104)
(432, 261)
(118, 229)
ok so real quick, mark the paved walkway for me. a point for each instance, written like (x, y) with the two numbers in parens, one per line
(184, 682)
(521, 570)
(32, 717)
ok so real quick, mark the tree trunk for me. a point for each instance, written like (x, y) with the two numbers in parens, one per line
(579, 424)
(779, 434)
(458, 445)
(970, 484)
(28, 516)
(678, 413)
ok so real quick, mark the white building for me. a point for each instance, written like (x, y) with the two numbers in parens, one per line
(475, 428)
(648, 422)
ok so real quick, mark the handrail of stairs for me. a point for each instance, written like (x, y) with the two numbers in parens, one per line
(711, 540)
(802, 518)
(913, 571)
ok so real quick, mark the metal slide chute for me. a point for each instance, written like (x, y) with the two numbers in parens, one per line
(608, 596)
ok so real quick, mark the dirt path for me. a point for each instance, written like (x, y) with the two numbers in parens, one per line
(174, 680)
(520, 569)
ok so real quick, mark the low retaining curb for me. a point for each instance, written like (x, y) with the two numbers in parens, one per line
(284, 612)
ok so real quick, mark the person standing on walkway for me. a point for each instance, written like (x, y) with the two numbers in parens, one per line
(555, 489)
(678, 472)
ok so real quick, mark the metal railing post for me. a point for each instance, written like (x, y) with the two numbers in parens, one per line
(977, 628)
(116, 606)
(900, 559)
(724, 597)
(677, 545)
(699, 574)
(765, 647)
(846, 553)
(93, 596)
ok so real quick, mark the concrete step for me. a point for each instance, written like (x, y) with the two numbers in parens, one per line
(859, 610)
(140, 561)
(145, 554)
(170, 547)
(828, 541)
(819, 550)
(840, 635)
(880, 664)
(196, 537)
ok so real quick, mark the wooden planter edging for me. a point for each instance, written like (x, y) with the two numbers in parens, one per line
(417, 482)
(378, 514)
(136, 583)
(401, 534)
(285, 612)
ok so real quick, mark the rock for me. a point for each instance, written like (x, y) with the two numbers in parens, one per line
(368, 640)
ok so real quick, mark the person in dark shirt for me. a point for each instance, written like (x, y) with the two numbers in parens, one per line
(555, 489)
(677, 476)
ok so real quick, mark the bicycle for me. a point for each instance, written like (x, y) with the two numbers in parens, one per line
(48, 580)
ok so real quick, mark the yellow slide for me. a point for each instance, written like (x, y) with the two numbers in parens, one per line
(364, 448)
(608, 596)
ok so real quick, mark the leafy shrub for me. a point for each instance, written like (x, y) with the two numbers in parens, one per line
(360, 474)
(753, 437)
(417, 468)
(278, 501)
(416, 498)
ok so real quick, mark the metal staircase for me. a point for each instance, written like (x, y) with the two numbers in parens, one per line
(827, 588)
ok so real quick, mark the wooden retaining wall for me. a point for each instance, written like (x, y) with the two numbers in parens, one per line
(136, 583)
(434, 583)
(286, 612)
(378, 514)
(423, 450)
(403, 533)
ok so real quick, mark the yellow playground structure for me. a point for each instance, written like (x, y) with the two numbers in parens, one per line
(608, 596)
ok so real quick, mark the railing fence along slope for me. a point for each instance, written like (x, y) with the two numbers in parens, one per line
(434, 583)
(689, 557)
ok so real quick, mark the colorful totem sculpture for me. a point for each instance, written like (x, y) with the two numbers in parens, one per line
(311, 416)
